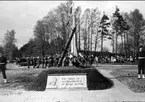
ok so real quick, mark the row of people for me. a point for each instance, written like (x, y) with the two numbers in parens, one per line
(47, 61)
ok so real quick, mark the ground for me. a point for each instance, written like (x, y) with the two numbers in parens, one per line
(126, 74)
(20, 77)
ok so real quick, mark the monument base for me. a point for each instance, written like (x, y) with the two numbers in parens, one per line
(89, 78)
(67, 81)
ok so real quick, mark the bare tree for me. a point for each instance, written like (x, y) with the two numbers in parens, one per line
(9, 41)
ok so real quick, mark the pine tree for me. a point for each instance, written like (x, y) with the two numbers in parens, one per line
(104, 24)
(119, 25)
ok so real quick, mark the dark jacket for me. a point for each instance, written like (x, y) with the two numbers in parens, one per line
(3, 60)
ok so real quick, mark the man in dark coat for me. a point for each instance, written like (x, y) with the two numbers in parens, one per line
(34, 62)
(38, 62)
(28, 62)
(3, 62)
(46, 61)
(141, 62)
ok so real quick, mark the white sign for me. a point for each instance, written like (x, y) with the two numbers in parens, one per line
(66, 81)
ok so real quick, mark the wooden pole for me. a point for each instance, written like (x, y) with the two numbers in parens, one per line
(66, 47)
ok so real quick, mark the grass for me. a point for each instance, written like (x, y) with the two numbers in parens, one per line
(95, 80)
(18, 79)
(128, 76)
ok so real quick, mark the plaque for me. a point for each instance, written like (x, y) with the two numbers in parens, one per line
(66, 81)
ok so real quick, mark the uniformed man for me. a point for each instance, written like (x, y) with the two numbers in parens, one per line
(28, 62)
(34, 62)
(39, 62)
(46, 61)
(43, 61)
(141, 62)
(51, 61)
(3, 62)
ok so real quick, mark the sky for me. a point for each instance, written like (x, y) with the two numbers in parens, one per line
(23, 15)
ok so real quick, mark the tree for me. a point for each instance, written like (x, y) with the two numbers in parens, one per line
(85, 28)
(16, 52)
(137, 24)
(119, 26)
(1, 49)
(78, 26)
(95, 20)
(39, 33)
(9, 41)
(104, 24)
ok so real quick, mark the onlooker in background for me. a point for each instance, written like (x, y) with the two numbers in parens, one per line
(96, 60)
(51, 61)
(28, 62)
(34, 62)
(43, 61)
(3, 62)
(38, 62)
(141, 62)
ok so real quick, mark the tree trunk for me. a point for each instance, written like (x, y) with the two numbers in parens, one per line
(95, 44)
(134, 45)
(125, 44)
(122, 42)
(91, 37)
(96, 40)
(102, 42)
(88, 33)
(116, 43)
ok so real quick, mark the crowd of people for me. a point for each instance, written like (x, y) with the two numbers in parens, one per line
(53, 60)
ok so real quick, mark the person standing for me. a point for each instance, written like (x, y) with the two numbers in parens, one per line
(96, 59)
(3, 62)
(34, 62)
(39, 62)
(28, 62)
(46, 61)
(141, 62)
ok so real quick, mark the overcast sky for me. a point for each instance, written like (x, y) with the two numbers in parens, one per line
(23, 15)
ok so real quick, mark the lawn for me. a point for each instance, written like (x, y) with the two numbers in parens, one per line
(128, 76)
(18, 78)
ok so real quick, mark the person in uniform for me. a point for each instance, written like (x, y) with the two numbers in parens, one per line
(34, 62)
(141, 62)
(51, 61)
(28, 62)
(3, 62)
(38, 62)
(43, 61)
(46, 61)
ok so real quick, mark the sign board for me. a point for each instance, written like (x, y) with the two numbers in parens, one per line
(66, 81)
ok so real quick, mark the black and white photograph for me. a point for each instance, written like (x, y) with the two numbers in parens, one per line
(72, 51)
